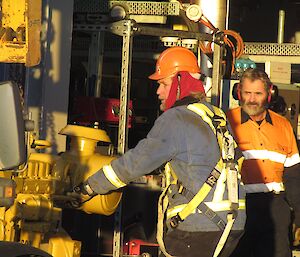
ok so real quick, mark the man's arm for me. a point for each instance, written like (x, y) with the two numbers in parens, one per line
(149, 154)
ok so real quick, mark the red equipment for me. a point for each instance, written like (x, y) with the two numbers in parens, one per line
(88, 109)
(141, 248)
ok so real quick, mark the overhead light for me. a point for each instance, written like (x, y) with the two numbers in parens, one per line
(194, 12)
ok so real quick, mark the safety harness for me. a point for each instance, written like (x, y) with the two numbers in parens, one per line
(226, 170)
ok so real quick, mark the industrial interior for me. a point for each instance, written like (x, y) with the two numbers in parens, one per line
(82, 67)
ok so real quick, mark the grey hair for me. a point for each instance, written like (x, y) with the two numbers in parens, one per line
(256, 74)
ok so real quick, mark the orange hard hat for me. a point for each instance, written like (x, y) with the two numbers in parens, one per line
(173, 60)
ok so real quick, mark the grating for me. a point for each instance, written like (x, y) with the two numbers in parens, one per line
(133, 7)
(272, 49)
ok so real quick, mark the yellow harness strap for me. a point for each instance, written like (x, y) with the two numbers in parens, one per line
(192, 205)
(225, 234)
(163, 203)
(206, 114)
(231, 173)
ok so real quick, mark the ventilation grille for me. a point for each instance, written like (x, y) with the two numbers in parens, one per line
(133, 7)
(272, 49)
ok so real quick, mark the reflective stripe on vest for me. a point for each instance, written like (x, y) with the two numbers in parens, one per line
(264, 155)
(290, 161)
(112, 176)
(272, 156)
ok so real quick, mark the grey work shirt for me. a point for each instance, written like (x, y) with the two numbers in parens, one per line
(183, 138)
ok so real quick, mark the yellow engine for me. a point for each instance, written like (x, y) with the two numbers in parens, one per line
(44, 188)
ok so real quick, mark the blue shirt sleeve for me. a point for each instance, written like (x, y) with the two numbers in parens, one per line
(158, 147)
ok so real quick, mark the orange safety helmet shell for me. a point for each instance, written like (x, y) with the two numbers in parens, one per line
(173, 60)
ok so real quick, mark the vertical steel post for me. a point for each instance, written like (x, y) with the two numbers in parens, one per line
(125, 87)
(123, 123)
(217, 76)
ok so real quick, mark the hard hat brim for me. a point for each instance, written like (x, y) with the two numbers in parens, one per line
(156, 76)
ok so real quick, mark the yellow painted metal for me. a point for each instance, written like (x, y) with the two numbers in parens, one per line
(101, 204)
(42, 144)
(45, 187)
(63, 246)
(36, 207)
(20, 30)
(29, 237)
(2, 223)
(10, 223)
(34, 219)
(85, 162)
(85, 132)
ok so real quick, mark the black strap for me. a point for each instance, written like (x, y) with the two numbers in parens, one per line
(202, 207)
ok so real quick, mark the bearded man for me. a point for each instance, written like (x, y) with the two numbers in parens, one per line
(270, 171)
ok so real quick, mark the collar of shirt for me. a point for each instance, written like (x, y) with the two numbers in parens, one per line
(245, 117)
(185, 101)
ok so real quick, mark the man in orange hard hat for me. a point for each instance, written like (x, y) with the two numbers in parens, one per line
(183, 63)
(196, 217)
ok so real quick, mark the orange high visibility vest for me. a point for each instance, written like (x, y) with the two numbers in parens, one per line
(268, 148)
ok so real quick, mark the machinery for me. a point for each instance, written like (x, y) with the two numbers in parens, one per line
(34, 191)
(39, 187)
(43, 188)
(34, 195)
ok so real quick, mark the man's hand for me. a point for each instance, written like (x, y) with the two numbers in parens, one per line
(82, 193)
(85, 189)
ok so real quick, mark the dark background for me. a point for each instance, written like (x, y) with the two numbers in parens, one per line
(257, 20)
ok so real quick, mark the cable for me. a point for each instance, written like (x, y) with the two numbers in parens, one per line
(232, 39)
(234, 43)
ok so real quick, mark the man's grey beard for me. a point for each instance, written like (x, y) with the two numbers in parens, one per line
(256, 111)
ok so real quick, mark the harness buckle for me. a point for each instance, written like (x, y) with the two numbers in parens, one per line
(174, 221)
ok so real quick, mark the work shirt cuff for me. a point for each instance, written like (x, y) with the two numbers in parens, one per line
(99, 183)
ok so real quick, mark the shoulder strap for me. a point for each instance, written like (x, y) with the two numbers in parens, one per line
(217, 121)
